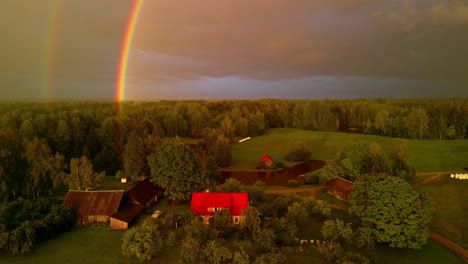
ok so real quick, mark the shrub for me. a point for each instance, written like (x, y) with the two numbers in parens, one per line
(298, 152)
(293, 183)
(311, 178)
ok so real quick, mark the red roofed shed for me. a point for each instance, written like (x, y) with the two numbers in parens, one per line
(205, 204)
(267, 160)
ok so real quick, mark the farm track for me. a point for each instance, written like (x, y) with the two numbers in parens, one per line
(438, 172)
(314, 191)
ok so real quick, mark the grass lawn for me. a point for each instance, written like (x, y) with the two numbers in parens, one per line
(450, 198)
(80, 245)
(323, 195)
(426, 155)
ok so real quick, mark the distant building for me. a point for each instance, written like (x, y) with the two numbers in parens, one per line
(94, 206)
(340, 188)
(206, 204)
(266, 160)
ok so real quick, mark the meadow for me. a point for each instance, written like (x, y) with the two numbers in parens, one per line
(426, 155)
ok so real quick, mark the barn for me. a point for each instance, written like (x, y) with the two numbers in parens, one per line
(340, 188)
(94, 206)
(143, 195)
(266, 160)
(205, 204)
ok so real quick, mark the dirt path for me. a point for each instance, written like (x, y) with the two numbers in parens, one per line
(426, 181)
(451, 245)
(438, 172)
(314, 191)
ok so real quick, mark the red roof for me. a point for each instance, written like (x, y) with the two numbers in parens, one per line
(265, 157)
(234, 201)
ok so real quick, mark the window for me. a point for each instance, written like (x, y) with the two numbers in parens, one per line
(236, 220)
(217, 209)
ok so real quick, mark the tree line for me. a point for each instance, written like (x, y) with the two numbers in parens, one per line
(121, 138)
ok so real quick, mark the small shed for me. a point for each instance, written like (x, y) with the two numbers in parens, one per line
(340, 188)
(94, 206)
(126, 214)
(267, 160)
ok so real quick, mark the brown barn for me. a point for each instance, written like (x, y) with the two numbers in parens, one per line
(340, 188)
(94, 206)
(144, 194)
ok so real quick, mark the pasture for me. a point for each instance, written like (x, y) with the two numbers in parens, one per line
(426, 155)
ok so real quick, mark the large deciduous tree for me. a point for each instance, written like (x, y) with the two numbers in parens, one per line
(222, 151)
(417, 123)
(401, 166)
(395, 212)
(82, 175)
(177, 169)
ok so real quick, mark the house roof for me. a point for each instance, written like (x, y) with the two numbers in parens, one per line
(144, 191)
(340, 185)
(128, 212)
(234, 201)
(265, 157)
(89, 203)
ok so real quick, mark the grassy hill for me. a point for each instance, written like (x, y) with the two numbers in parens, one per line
(426, 155)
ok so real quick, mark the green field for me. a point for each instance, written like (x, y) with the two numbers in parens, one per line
(450, 198)
(426, 155)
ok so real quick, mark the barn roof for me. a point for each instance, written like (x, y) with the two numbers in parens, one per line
(234, 201)
(266, 157)
(340, 185)
(89, 203)
(144, 191)
(128, 212)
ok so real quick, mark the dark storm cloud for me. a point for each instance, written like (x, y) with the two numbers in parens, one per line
(182, 42)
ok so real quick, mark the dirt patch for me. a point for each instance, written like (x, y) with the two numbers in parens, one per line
(443, 181)
(427, 181)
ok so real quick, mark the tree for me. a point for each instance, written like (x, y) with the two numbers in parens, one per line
(393, 210)
(45, 169)
(298, 151)
(222, 151)
(227, 128)
(191, 251)
(82, 175)
(337, 230)
(417, 123)
(365, 238)
(212, 171)
(271, 258)
(297, 214)
(177, 169)
(216, 253)
(381, 121)
(143, 242)
(251, 221)
(265, 239)
(240, 257)
(401, 166)
(222, 222)
(139, 146)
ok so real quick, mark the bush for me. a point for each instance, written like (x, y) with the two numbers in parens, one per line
(278, 165)
(293, 183)
(298, 152)
(311, 178)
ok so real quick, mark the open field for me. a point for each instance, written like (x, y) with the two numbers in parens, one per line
(450, 198)
(426, 155)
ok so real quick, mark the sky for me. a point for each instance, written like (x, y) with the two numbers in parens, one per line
(235, 49)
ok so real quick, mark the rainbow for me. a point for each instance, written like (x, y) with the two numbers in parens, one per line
(124, 53)
(50, 46)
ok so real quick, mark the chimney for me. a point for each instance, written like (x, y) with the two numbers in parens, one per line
(207, 190)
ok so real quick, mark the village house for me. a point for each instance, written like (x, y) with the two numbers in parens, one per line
(206, 204)
(266, 160)
(339, 188)
(118, 208)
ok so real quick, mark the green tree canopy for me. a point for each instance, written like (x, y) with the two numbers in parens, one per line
(395, 212)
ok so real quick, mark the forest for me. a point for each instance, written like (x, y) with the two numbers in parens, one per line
(44, 146)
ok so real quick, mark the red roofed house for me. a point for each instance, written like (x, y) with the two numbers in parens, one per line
(267, 160)
(205, 204)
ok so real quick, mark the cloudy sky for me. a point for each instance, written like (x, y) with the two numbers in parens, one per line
(211, 49)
